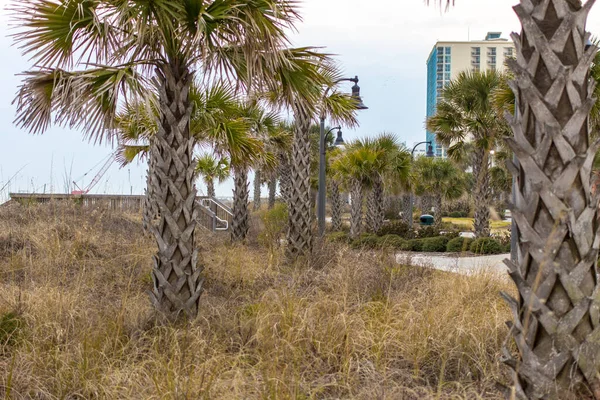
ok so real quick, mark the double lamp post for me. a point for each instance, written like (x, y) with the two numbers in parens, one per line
(321, 200)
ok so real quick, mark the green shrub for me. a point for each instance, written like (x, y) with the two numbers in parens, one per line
(338, 237)
(486, 246)
(10, 328)
(458, 214)
(416, 244)
(427, 232)
(365, 241)
(275, 221)
(395, 228)
(458, 244)
(435, 244)
(392, 241)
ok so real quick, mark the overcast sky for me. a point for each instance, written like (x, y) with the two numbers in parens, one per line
(384, 42)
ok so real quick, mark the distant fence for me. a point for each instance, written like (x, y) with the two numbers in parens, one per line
(108, 201)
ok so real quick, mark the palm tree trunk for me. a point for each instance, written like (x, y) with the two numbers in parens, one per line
(378, 215)
(482, 193)
(210, 188)
(272, 190)
(556, 319)
(299, 235)
(407, 215)
(257, 185)
(336, 206)
(176, 273)
(356, 209)
(285, 177)
(437, 204)
(150, 212)
(426, 204)
(370, 216)
(240, 220)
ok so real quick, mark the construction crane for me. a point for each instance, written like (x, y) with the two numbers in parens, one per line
(97, 177)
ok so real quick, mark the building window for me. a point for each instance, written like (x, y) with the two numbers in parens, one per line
(448, 59)
(448, 50)
(508, 52)
(447, 67)
(440, 50)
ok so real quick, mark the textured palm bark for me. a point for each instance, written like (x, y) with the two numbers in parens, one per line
(370, 215)
(241, 218)
(285, 176)
(257, 186)
(299, 234)
(482, 193)
(556, 319)
(210, 188)
(426, 204)
(437, 205)
(149, 209)
(272, 191)
(407, 213)
(356, 196)
(176, 274)
(336, 205)
(375, 215)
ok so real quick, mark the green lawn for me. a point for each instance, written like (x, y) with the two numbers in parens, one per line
(467, 223)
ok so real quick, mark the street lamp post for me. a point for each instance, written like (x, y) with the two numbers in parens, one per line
(321, 200)
(412, 157)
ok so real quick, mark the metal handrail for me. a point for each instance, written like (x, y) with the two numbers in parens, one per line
(215, 202)
(214, 215)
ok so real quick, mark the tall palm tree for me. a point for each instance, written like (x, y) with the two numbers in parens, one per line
(465, 112)
(210, 169)
(555, 319)
(140, 48)
(438, 178)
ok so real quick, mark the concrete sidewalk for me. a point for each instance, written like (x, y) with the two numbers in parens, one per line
(465, 265)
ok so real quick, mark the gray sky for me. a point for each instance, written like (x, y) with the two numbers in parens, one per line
(384, 42)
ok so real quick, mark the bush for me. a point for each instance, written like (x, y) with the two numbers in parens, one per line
(458, 214)
(435, 244)
(391, 241)
(275, 221)
(395, 228)
(486, 246)
(416, 244)
(427, 232)
(458, 244)
(338, 237)
(365, 241)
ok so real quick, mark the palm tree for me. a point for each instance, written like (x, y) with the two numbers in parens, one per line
(355, 168)
(140, 48)
(211, 169)
(438, 178)
(555, 318)
(389, 163)
(335, 177)
(466, 112)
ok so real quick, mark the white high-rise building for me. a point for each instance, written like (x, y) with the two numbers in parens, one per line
(448, 59)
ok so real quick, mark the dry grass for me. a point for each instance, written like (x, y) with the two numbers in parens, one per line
(358, 326)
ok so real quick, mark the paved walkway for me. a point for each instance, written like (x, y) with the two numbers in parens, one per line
(465, 265)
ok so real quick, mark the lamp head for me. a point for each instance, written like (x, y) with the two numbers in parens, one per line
(356, 95)
(339, 141)
(429, 150)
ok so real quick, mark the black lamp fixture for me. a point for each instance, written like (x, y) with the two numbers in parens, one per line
(356, 95)
(339, 141)
(429, 151)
